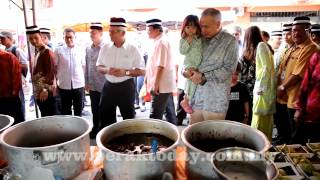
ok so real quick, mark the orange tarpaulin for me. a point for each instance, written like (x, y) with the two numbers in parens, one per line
(85, 27)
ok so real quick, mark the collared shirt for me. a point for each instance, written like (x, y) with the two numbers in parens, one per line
(10, 78)
(22, 57)
(295, 62)
(161, 57)
(44, 70)
(70, 64)
(125, 57)
(220, 55)
(281, 68)
(92, 76)
(309, 98)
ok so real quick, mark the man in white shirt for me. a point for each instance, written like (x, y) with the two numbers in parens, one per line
(160, 77)
(70, 61)
(119, 62)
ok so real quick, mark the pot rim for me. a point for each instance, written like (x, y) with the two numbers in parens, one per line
(189, 145)
(2, 142)
(102, 147)
(11, 121)
(244, 150)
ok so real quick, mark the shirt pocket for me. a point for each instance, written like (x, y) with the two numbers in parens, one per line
(126, 61)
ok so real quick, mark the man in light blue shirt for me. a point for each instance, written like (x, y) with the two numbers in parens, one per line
(93, 79)
(220, 54)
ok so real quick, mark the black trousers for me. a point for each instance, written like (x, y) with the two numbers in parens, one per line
(163, 103)
(95, 100)
(69, 98)
(117, 95)
(181, 114)
(48, 107)
(291, 113)
(307, 131)
(283, 123)
(11, 106)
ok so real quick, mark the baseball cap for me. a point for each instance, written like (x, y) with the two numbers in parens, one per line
(6, 34)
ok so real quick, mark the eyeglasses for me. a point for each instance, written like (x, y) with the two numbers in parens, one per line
(150, 29)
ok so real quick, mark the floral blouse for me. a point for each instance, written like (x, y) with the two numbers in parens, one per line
(248, 74)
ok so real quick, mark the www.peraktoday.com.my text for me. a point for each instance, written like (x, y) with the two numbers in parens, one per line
(190, 157)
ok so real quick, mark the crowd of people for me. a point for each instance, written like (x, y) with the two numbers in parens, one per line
(249, 80)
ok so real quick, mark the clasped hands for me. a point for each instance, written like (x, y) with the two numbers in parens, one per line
(193, 74)
(117, 72)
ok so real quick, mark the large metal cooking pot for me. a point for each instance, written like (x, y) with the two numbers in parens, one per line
(57, 143)
(242, 163)
(5, 122)
(199, 162)
(141, 166)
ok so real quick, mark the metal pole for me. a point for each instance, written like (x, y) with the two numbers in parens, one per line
(34, 12)
(29, 52)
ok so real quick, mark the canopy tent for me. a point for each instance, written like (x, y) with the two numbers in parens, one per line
(74, 11)
(85, 27)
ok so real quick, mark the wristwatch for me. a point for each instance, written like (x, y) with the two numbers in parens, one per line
(127, 73)
(204, 80)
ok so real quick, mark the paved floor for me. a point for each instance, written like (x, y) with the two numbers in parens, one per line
(31, 113)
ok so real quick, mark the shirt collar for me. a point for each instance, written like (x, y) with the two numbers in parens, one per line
(158, 37)
(124, 45)
(217, 37)
(305, 43)
(10, 48)
(99, 45)
(41, 48)
(67, 47)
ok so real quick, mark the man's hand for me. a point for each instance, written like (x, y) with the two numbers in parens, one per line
(117, 72)
(43, 95)
(155, 90)
(196, 77)
(280, 92)
(103, 70)
(54, 89)
(88, 87)
(298, 116)
(187, 73)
